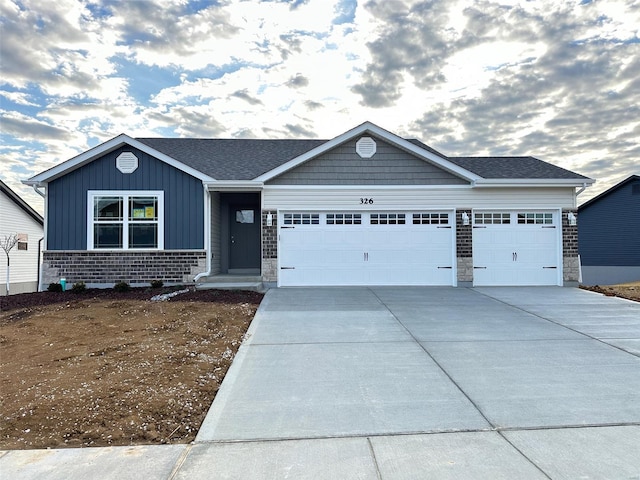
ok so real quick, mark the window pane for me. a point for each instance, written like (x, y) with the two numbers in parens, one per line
(107, 208)
(143, 235)
(143, 208)
(107, 236)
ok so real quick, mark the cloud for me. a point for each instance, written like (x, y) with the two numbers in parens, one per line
(244, 95)
(298, 81)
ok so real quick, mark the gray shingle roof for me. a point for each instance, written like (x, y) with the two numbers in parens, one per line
(513, 167)
(246, 159)
(231, 159)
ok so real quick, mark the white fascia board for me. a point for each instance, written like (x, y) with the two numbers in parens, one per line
(233, 185)
(381, 133)
(533, 182)
(104, 148)
(367, 187)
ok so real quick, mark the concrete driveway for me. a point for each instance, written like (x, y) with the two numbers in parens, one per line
(399, 383)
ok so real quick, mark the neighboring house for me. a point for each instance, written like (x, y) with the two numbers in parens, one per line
(609, 235)
(18, 218)
(365, 208)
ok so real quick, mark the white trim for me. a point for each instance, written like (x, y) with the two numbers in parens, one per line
(367, 187)
(103, 149)
(369, 127)
(91, 194)
(532, 182)
(233, 185)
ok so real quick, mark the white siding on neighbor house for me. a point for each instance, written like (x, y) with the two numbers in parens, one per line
(369, 197)
(24, 263)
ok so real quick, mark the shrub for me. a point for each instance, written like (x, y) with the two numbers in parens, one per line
(54, 287)
(121, 287)
(79, 287)
(157, 283)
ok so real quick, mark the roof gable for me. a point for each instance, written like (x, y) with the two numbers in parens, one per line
(103, 149)
(601, 196)
(13, 196)
(369, 128)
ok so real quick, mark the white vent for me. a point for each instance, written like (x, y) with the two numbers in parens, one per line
(127, 162)
(366, 147)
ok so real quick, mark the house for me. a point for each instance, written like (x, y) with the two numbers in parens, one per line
(365, 208)
(609, 235)
(18, 218)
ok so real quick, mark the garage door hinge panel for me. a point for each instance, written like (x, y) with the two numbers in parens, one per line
(287, 268)
(549, 267)
(484, 268)
(446, 267)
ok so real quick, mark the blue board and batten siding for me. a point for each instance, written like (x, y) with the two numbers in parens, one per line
(183, 200)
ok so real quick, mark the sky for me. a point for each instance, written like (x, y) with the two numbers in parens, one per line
(555, 79)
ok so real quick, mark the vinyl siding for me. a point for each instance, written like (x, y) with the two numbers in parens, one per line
(183, 200)
(389, 166)
(24, 263)
(609, 229)
(348, 198)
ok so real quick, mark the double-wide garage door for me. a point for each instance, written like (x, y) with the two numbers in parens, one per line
(366, 248)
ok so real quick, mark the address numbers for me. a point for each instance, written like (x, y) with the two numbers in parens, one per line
(366, 201)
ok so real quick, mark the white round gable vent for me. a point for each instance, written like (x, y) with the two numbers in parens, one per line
(127, 162)
(366, 147)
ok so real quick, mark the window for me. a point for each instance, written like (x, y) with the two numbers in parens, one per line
(126, 220)
(301, 219)
(344, 219)
(387, 218)
(431, 219)
(492, 218)
(23, 241)
(535, 218)
(244, 216)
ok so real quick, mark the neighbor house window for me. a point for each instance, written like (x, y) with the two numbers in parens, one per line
(23, 241)
(125, 220)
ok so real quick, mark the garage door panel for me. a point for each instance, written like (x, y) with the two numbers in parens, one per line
(366, 254)
(516, 254)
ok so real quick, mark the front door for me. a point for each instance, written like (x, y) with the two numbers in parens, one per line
(244, 237)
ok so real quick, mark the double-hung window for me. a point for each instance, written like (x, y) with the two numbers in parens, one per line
(125, 220)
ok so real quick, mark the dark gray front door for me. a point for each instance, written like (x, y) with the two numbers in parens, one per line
(244, 237)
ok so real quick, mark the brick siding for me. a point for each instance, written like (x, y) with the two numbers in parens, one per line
(92, 267)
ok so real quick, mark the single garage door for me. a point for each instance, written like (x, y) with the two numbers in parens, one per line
(516, 248)
(366, 248)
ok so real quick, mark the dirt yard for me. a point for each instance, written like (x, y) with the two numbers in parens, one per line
(105, 368)
(630, 291)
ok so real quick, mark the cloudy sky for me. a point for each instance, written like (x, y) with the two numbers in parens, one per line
(556, 79)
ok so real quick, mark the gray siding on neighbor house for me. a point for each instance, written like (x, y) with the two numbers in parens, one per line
(389, 166)
(609, 228)
(183, 200)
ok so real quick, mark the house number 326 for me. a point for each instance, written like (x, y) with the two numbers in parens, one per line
(366, 201)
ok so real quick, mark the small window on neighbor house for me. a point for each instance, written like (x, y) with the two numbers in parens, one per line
(23, 241)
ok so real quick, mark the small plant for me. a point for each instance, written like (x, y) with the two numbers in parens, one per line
(121, 287)
(54, 287)
(157, 283)
(79, 287)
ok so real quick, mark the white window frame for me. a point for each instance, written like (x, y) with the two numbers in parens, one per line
(126, 195)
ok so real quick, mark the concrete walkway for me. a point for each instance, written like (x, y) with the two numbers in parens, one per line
(394, 383)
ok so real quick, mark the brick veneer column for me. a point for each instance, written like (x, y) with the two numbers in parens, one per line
(464, 249)
(570, 261)
(269, 247)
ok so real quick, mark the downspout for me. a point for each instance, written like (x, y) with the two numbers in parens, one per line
(584, 186)
(207, 235)
(38, 279)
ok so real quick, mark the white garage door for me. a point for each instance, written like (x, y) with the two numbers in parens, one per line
(515, 248)
(366, 248)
